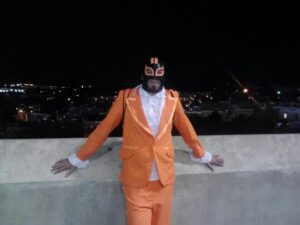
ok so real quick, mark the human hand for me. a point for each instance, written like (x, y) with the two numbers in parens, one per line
(216, 161)
(63, 165)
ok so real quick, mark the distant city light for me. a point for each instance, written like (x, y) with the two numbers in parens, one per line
(245, 90)
(5, 90)
(278, 92)
(285, 115)
(69, 99)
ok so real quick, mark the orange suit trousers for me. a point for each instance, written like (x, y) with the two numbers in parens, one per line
(149, 205)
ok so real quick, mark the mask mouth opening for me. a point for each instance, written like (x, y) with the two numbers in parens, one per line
(152, 87)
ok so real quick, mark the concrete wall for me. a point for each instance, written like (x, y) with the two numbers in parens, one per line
(259, 185)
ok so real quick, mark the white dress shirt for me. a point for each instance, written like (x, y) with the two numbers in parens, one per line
(153, 106)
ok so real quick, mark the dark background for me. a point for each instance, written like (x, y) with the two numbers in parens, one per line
(105, 43)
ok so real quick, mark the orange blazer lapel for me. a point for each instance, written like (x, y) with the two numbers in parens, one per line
(167, 114)
(135, 107)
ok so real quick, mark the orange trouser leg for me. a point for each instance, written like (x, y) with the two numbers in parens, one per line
(150, 205)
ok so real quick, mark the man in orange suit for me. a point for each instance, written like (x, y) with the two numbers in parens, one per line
(148, 112)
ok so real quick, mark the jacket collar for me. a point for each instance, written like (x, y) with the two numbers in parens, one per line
(135, 107)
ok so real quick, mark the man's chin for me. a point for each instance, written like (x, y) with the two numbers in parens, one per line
(153, 90)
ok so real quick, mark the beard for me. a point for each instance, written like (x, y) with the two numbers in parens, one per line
(153, 88)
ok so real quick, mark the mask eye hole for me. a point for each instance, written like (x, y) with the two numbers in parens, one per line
(149, 71)
(160, 72)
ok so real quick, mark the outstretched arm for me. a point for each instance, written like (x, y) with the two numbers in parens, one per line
(94, 141)
(187, 131)
(102, 131)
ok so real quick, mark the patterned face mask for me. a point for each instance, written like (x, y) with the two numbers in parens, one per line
(153, 70)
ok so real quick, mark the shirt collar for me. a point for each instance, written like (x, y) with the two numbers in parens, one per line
(159, 94)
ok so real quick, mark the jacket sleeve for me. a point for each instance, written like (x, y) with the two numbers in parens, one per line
(185, 128)
(102, 131)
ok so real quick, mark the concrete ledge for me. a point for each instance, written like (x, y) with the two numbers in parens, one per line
(258, 185)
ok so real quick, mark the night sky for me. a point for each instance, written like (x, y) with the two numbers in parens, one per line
(105, 44)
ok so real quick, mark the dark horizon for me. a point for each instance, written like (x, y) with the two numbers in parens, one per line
(105, 45)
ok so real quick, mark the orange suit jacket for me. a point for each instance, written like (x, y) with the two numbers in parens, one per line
(140, 147)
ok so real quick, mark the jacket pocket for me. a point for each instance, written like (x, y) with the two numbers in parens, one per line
(169, 152)
(127, 153)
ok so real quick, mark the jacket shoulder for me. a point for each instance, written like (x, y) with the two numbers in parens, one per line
(125, 91)
(173, 93)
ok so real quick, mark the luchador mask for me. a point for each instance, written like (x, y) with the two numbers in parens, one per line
(153, 70)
